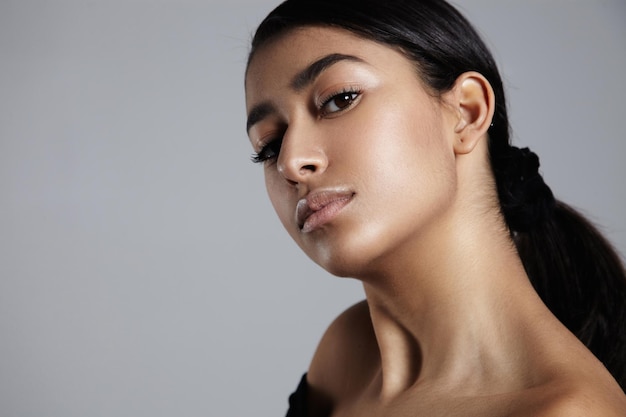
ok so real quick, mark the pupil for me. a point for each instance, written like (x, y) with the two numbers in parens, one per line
(344, 100)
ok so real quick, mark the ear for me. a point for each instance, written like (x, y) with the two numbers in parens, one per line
(473, 102)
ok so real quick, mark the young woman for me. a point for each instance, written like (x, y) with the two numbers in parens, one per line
(383, 132)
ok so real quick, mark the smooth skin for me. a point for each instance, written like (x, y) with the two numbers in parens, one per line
(451, 325)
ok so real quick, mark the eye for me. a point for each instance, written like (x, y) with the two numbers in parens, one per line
(339, 102)
(268, 152)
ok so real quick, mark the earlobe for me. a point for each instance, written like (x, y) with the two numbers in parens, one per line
(474, 103)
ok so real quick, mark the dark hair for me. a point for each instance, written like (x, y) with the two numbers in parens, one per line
(574, 269)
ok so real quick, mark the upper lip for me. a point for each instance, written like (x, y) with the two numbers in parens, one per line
(317, 200)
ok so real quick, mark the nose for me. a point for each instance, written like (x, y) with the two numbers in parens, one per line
(301, 157)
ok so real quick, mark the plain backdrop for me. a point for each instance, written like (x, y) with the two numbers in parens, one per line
(142, 269)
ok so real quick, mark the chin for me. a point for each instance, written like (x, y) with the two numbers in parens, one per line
(349, 257)
(340, 267)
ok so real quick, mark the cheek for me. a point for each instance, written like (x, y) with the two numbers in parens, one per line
(405, 145)
(410, 166)
(278, 192)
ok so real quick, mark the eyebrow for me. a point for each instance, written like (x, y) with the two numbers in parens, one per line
(300, 81)
(310, 73)
(258, 113)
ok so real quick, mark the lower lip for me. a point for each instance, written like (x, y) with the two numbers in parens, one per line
(324, 215)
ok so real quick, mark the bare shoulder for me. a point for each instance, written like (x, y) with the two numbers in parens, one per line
(574, 399)
(346, 356)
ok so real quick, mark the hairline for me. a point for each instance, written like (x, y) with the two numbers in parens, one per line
(266, 43)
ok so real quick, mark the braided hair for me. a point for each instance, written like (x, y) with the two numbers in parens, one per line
(575, 271)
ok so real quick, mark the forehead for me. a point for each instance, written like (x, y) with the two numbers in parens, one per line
(275, 63)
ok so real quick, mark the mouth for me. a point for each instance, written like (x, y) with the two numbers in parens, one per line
(319, 208)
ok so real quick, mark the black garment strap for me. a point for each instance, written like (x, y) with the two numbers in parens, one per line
(297, 400)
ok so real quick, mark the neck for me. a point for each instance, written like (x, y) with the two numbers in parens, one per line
(449, 313)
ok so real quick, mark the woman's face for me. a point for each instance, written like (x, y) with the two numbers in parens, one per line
(358, 156)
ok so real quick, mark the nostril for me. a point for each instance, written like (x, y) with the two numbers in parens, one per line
(309, 168)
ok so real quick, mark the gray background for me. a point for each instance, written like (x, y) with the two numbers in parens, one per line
(142, 270)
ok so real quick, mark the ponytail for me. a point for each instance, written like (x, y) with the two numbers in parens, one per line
(574, 269)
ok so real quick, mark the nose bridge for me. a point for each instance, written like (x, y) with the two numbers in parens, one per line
(301, 153)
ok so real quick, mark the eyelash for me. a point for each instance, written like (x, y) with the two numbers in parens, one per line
(270, 150)
(354, 94)
(272, 146)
